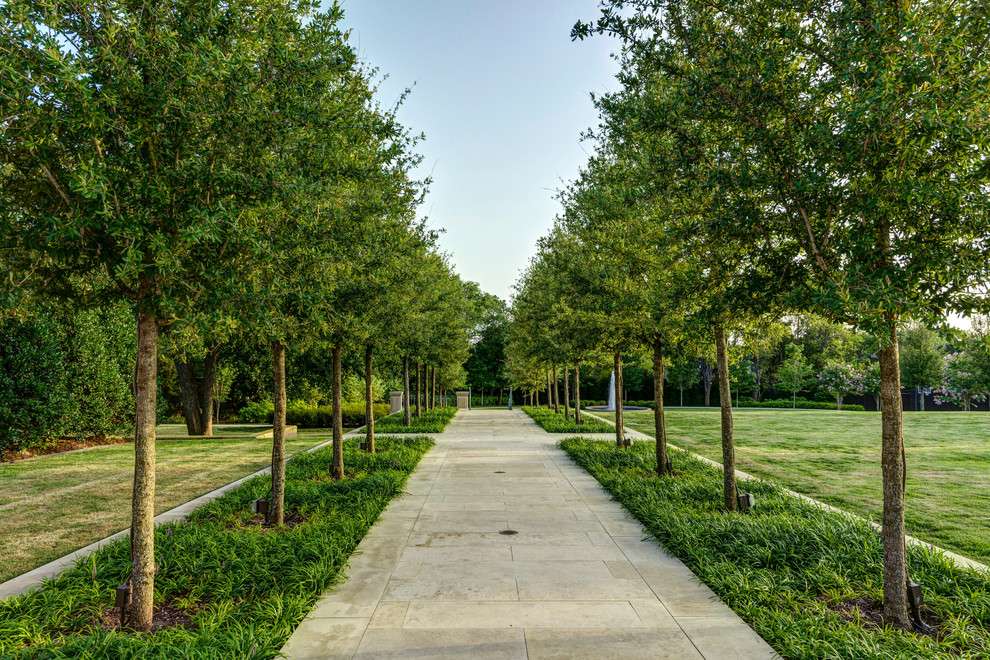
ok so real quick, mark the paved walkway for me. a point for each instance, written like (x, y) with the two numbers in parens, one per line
(437, 577)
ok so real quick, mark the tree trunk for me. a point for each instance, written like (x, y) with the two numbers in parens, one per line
(369, 406)
(725, 400)
(682, 397)
(190, 397)
(620, 438)
(433, 387)
(501, 391)
(338, 418)
(549, 392)
(838, 402)
(659, 424)
(407, 411)
(419, 388)
(567, 394)
(143, 497)
(556, 391)
(895, 573)
(577, 393)
(794, 400)
(276, 513)
(197, 397)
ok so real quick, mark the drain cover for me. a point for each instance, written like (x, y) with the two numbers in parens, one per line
(499, 471)
(508, 532)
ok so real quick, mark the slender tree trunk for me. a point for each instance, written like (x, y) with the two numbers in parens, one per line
(206, 389)
(338, 417)
(620, 438)
(433, 387)
(549, 392)
(369, 405)
(556, 390)
(567, 394)
(501, 391)
(577, 393)
(659, 424)
(895, 573)
(682, 397)
(276, 513)
(407, 410)
(725, 399)
(419, 388)
(794, 400)
(143, 498)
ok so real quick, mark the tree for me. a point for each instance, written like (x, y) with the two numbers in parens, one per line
(97, 97)
(921, 357)
(874, 191)
(794, 372)
(840, 379)
(682, 375)
(962, 382)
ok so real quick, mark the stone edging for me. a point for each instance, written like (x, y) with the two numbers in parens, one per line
(27, 581)
(961, 561)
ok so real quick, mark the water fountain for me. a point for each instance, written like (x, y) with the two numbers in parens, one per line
(611, 400)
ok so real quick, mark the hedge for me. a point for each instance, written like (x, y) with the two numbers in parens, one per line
(803, 404)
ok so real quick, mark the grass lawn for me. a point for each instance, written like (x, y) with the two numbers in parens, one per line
(834, 457)
(52, 505)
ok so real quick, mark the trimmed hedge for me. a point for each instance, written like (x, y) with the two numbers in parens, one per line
(321, 417)
(802, 404)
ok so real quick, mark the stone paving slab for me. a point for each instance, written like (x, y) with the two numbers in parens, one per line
(436, 578)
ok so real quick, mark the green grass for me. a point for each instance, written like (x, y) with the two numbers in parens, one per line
(52, 505)
(834, 457)
(432, 421)
(245, 588)
(781, 564)
(552, 422)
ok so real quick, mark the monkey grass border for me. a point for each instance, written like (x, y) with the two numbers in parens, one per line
(245, 587)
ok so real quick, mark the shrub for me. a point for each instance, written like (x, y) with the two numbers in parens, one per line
(33, 390)
(256, 412)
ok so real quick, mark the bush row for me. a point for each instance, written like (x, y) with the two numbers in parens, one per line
(789, 567)
(244, 588)
(804, 404)
(306, 417)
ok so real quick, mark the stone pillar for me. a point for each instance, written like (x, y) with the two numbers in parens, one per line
(395, 402)
(463, 400)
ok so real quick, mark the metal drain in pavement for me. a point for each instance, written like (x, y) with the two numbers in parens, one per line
(508, 532)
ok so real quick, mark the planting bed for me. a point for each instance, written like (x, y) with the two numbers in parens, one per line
(432, 421)
(552, 422)
(805, 578)
(232, 587)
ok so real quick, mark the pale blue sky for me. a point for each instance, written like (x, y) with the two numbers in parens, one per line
(502, 95)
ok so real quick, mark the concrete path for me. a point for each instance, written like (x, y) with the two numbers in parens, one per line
(438, 576)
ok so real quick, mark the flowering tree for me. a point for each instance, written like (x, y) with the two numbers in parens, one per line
(840, 379)
(962, 382)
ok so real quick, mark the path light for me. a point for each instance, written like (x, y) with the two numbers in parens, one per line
(260, 506)
(746, 500)
(917, 601)
(122, 600)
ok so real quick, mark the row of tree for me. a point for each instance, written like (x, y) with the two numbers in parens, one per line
(222, 169)
(762, 159)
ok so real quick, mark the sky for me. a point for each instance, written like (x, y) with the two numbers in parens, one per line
(502, 95)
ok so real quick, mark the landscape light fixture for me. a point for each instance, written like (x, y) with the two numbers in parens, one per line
(746, 500)
(260, 506)
(122, 600)
(916, 600)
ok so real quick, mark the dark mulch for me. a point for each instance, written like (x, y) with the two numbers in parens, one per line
(871, 614)
(291, 520)
(59, 446)
(166, 616)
